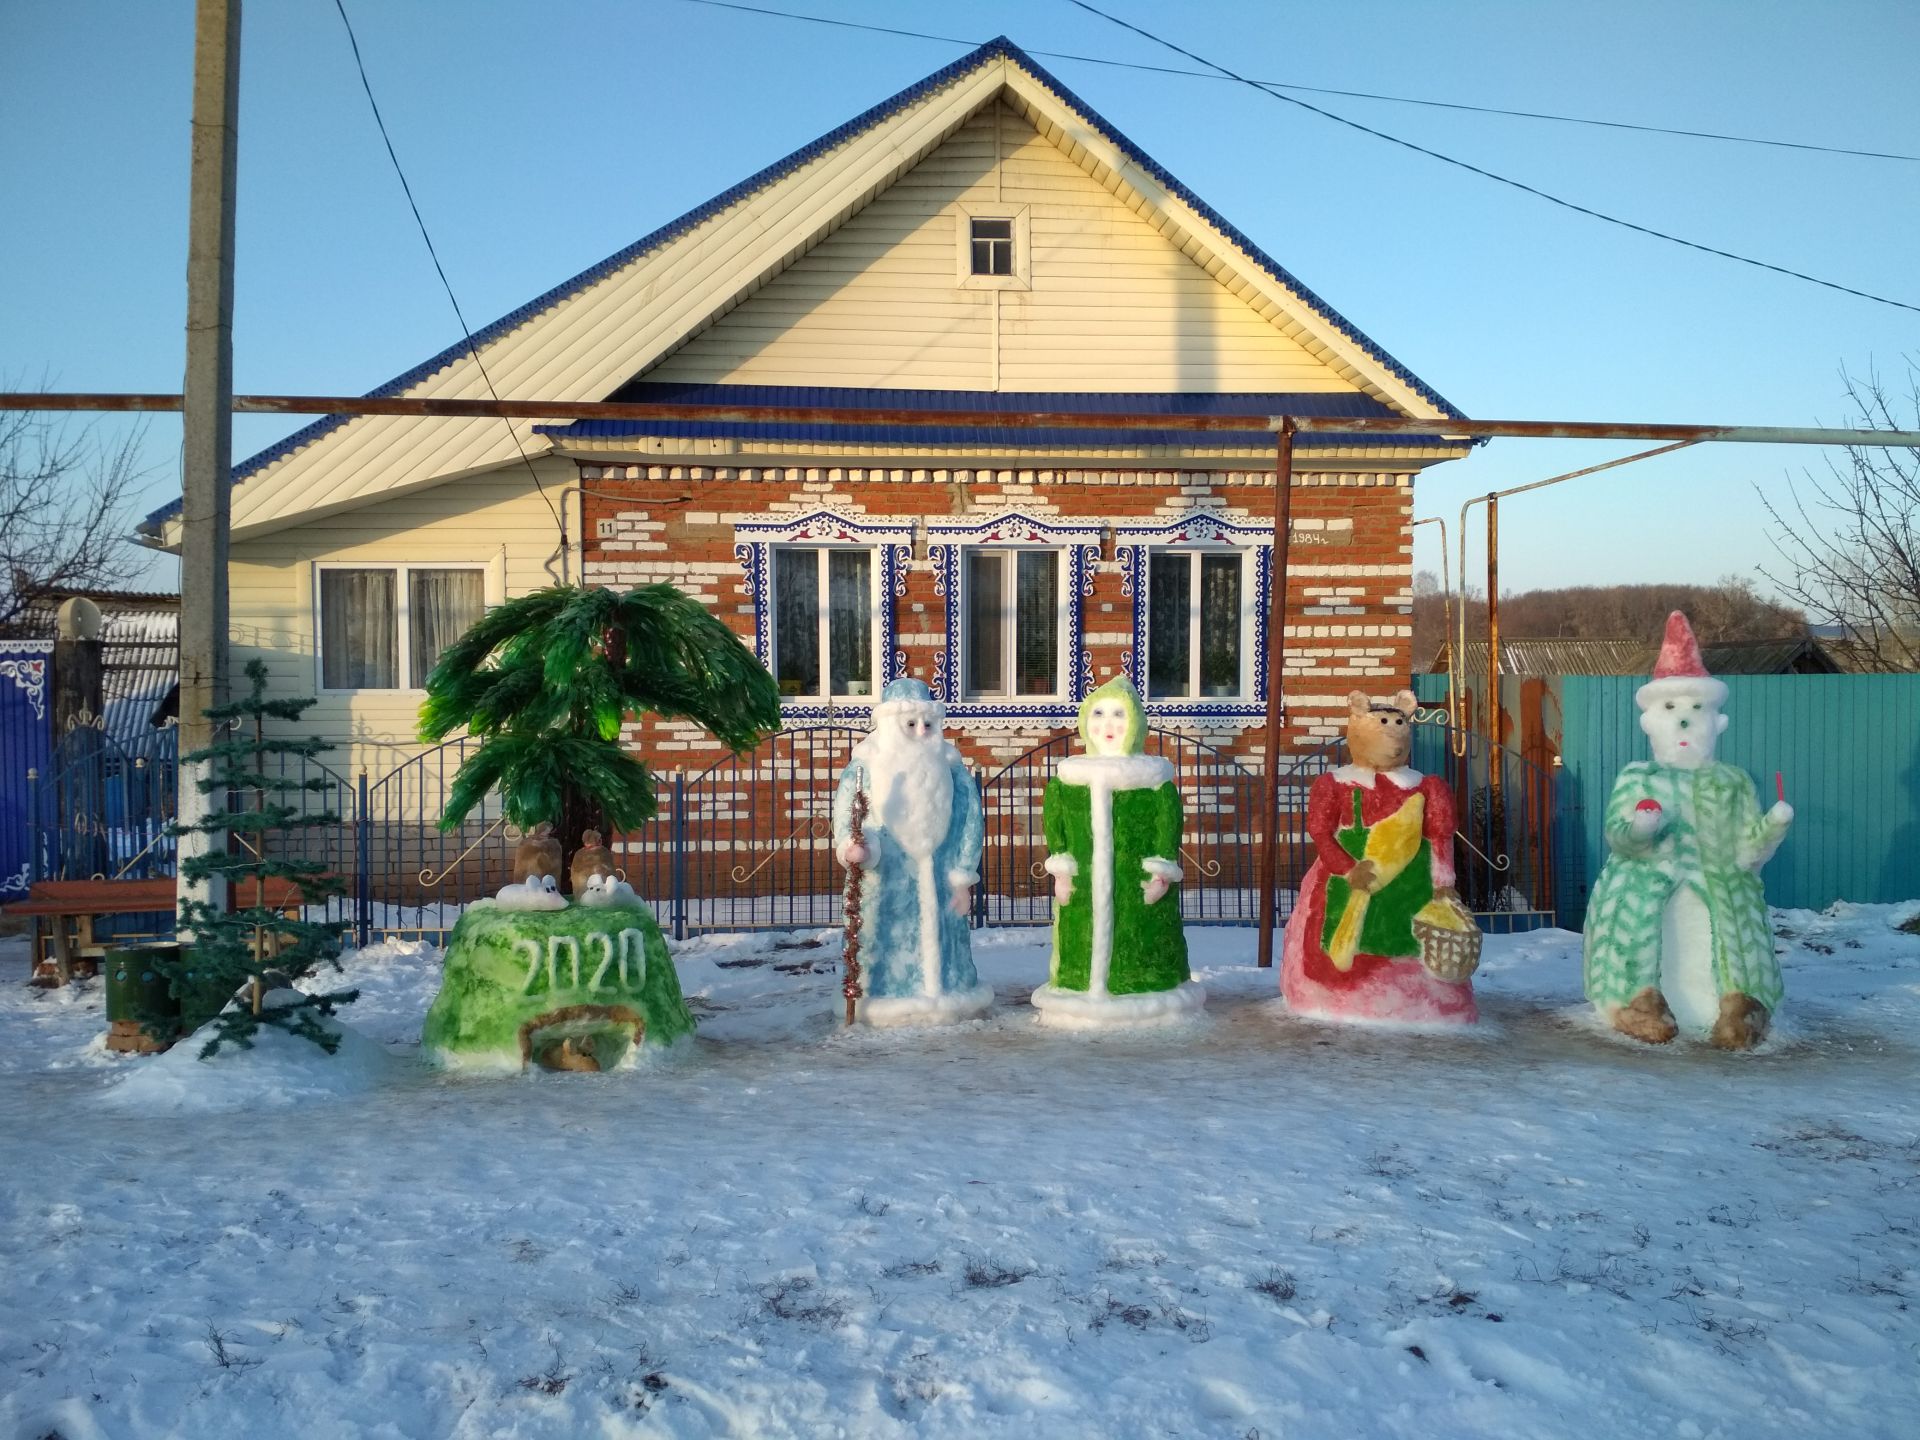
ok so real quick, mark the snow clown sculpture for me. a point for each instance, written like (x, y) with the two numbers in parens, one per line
(1112, 821)
(917, 857)
(1378, 933)
(1677, 936)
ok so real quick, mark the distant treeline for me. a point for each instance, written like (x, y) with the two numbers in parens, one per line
(1727, 611)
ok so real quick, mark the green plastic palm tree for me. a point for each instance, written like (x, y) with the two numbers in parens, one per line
(546, 681)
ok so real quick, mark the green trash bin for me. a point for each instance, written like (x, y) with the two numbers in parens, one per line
(137, 986)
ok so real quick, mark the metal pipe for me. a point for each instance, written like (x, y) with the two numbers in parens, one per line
(1442, 431)
(1493, 643)
(1276, 670)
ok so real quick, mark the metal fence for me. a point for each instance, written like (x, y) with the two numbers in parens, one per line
(747, 843)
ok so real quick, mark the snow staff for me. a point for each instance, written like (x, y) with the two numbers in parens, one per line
(918, 858)
(1379, 933)
(1112, 820)
(1677, 936)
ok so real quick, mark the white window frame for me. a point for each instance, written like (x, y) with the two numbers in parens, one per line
(1018, 217)
(1249, 605)
(825, 622)
(402, 618)
(1008, 622)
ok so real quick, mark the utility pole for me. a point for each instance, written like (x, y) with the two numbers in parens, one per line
(207, 407)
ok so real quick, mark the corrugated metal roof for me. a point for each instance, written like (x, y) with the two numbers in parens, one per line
(1552, 657)
(998, 48)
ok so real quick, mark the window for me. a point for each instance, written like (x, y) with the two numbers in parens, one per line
(1012, 623)
(992, 246)
(384, 627)
(823, 609)
(1196, 624)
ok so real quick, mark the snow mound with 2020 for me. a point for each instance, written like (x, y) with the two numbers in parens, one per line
(580, 988)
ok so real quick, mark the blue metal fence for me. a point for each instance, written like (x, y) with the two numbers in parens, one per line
(26, 735)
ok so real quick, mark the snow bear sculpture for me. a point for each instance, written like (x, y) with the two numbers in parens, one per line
(1677, 938)
(1379, 933)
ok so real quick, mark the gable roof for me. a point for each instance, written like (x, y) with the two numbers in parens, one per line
(524, 358)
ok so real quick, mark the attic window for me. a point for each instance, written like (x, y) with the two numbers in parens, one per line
(992, 246)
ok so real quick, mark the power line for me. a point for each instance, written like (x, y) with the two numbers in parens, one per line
(1329, 90)
(440, 270)
(1490, 175)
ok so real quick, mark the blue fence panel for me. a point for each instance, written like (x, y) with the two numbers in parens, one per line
(26, 733)
(1847, 747)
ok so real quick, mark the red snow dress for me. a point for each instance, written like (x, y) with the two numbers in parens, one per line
(1386, 981)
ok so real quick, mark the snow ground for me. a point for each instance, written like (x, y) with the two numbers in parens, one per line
(1249, 1227)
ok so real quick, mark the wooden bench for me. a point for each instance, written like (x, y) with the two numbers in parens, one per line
(75, 904)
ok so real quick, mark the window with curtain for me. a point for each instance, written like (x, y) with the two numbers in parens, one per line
(823, 612)
(359, 630)
(441, 604)
(384, 627)
(1196, 624)
(1012, 622)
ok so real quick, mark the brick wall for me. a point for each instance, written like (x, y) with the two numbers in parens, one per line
(1349, 592)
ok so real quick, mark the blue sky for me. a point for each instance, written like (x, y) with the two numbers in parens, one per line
(541, 137)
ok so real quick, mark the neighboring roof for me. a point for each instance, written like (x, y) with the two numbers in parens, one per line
(1334, 403)
(1799, 655)
(554, 369)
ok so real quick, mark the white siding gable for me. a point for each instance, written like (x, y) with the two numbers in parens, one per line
(1113, 304)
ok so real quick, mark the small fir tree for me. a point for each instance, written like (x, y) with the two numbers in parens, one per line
(231, 948)
(546, 682)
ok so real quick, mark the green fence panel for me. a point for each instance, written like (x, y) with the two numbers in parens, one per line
(1848, 747)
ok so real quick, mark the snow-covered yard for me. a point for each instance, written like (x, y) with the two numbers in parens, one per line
(1252, 1227)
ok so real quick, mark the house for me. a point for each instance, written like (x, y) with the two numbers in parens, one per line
(981, 241)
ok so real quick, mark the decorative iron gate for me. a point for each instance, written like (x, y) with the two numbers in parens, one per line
(26, 734)
(1219, 848)
(747, 842)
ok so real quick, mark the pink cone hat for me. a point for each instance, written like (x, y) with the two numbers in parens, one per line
(1680, 672)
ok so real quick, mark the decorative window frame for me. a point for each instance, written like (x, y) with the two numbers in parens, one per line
(1202, 531)
(1079, 540)
(492, 593)
(1020, 217)
(754, 542)
(24, 662)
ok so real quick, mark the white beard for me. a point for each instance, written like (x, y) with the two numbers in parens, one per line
(912, 791)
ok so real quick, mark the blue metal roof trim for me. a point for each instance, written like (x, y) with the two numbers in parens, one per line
(1008, 437)
(999, 47)
(1079, 402)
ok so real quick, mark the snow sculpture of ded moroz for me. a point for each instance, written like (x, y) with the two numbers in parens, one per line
(918, 857)
(1379, 933)
(1677, 936)
(1112, 820)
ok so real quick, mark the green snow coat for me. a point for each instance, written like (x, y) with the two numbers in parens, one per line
(1132, 797)
(1714, 841)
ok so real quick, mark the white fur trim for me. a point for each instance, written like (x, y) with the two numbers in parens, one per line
(932, 711)
(1166, 870)
(1080, 1010)
(963, 877)
(887, 1010)
(1406, 777)
(1100, 804)
(1703, 688)
(1058, 865)
(1116, 772)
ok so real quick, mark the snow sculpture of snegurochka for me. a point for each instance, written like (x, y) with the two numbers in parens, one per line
(1677, 938)
(918, 857)
(1112, 821)
(1378, 933)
